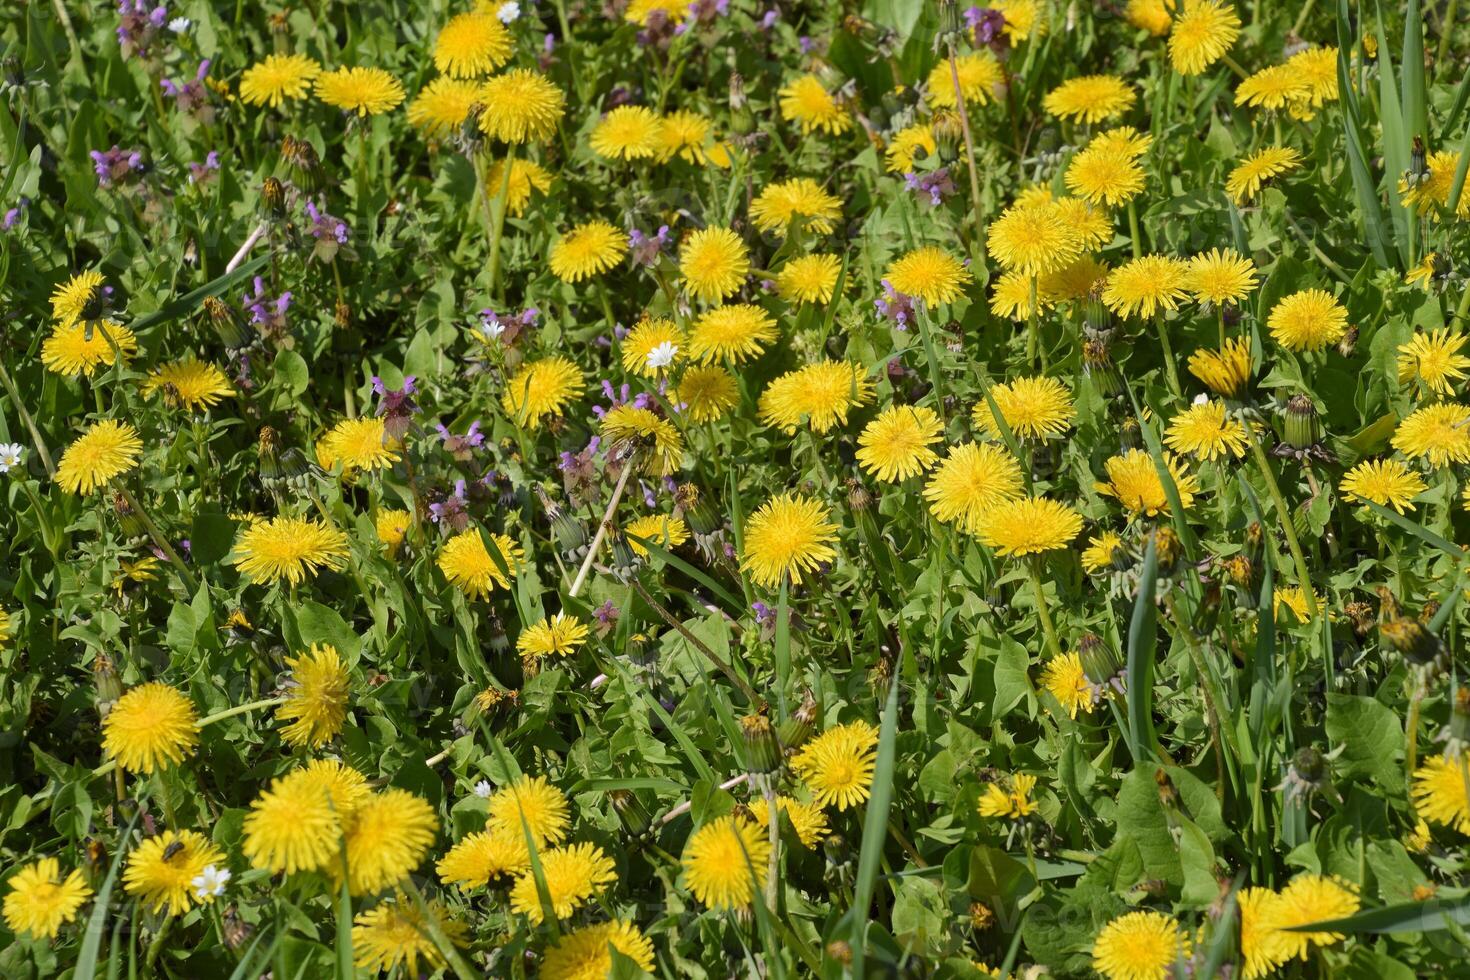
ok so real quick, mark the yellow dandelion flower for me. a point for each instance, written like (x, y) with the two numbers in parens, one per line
(1439, 792)
(471, 569)
(801, 200)
(1433, 194)
(394, 934)
(1134, 482)
(316, 697)
(1308, 320)
(1098, 555)
(356, 444)
(1033, 408)
(189, 383)
(912, 143)
(1319, 67)
(1139, 946)
(1014, 296)
(705, 393)
(1066, 680)
(472, 44)
(151, 727)
(582, 954)
(1220, 276)
(1202, 33)
(278, 77)
(106, 450)
(82, 347)
(444, 104)
(714, 263)
(1013, 803)
(628, 132)
(392, 527)
(1226, 371)
(290, 548)
(1145, 286)
(1075, 281)
(80, 299)
(929, 273)
(1439, 433)
(364, 91)
(573, 875)
(787, 536)
(734, 333)
(1090, 99)
(540, 390)
(807, 819)
(725, 861)
(296, 823)
(1292, 597)
(482, 858)
(586, 250)
(969, 481)
(1102, 175)
(895, 445)
(639, 11)
(38, 901)
(1205, 431)
(822, 394)
(805, 102)
(809, 279)
(521, 106)
(1150, 15)
(1029, 526)
(1386, 482)
(1255, 171)
(652, 347)
(1033, 238)
(534, 802)
(161, 869)
(1312, 898)
(837, 765)
(1261, 946)
(981, 78)
(687, 135)
(387, 837)
(1023, 18)
(653, 438)
(553, 636)
(663, 530)
(1433, 359)
(1273, 88)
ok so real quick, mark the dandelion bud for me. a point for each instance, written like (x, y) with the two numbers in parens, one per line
(305, 166)
(1130, 435)
(273, 199)
(1240, 570)
(1457, 735)
(1097, 364)
(229, 325)
(742, 122)
(1410, 638)
(1418, 163)
(701, 517)
(1302, 428)
(624, 559)
(1349, 342)
(631, 813)
(858, 497)
(12, 71)
(1101, 665)
(796, 729)
(1362, 617)
(237, 931)
(342, 315)
(107, 683)
(981, 917)
(762, 748)
(948, 131)
(1167, 548)
(128, 519)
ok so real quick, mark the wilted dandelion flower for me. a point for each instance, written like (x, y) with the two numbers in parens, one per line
(290, 548)
(540, 390)
(801, 199)
(1029, 526)
(809, 279)
(444, 104)
(316, 697)
(521, 106)
(930, 273)
(1033, 408)
(161, 868)
(1251, 174)
(1439, 792)
(106, 450)
(1311, 898)
(1433, 359)
(837, 765)
(356, 444)
(39, 901)
(189, 383)
(651, 335)
(1033, 239)
(1439, 433)
(663, 530)
(1015, 803)
(714, 263)
(981, 78)
(969, 481)
(1066, 680)
(1226, 371)
(1145, 286)
(1273, 88)
(909, 144)
(484, 857)
(735, 333)
(472, 44)
(364, 91)
(787, 535)
(534, 801)
(277, 77)
(582, 954)
(386, 839)
(1203, 31)
(628, 132)
(1205, 431)
(806, 102)
(79, 349)
(551, 636)
(895, 445)
(1386, 482)
(821, 394)
(1098, 555)
(705, 393)
(1134, 481)
(394, 934)
(586, 250)
(573, 875)
(1139, 946)
(470, 568)
(151, 727)
(1307, 320)
(724, 861)
(1102, 175)
(1220, 276)
(653, 438)
(807, 819)
(1090, 98)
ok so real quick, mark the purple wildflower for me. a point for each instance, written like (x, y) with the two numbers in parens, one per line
(138, 26)
(989, 27)
(203, 173)
(895, 306)
(330, 233)
(13, 215)
(937, 184)
(192, 98)
(115, 166)
(396, 405)
(644, 249)
(461, 447)
(451, 511)
(268, 313)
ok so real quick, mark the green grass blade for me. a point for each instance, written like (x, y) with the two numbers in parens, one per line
(189, 302)
(1415, 105)
(663, 554)
(345, 968)
(1418, 531)
(783, 644)
(1394, 144)
(97, 921)
(1142, 638)
(1410, 917)
(875, 830)
(1375, 229)
(250, 965)
(1457, 187)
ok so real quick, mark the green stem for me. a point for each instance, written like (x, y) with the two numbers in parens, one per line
(502, 205)
(238, 709)
(959, 96)
(25, 417)
(1033, 326)
(1303, 579)
(1133, 230)
(1171, 371)
(1306, 11)
(190, 582)
(1220, 321)
(1463, 309)
(1053, 644)
(1446, 29)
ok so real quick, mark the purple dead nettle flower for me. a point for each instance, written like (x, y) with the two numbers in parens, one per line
(450, 512)
(989, 27)
(192, 97)
(936, 184)
(268, 313)
(650, 500)
(13, 215)
(330, 233)
(138, 26)
(769, 19)
(895, 306)
(806, 44)
(507, 329)
(644, 249)
(547, 57)
(396, 405)
(607, 618)
(704, 12)
(620, 397)
(461, 447)
(657, 29)
(114, 167)
(202, 173)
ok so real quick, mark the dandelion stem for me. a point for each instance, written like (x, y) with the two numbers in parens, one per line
(238, 709)
(1231, 64)
(1133, 230)
(1463, 309)
(30, 423)
(1171, 372)
(502, 200)
(1303, 579)
(773, 834)
(1446, 29)
(602, 527)
(698, 644)
(1220, 321)
(959, 98)
(1034, 568)
(190, 582)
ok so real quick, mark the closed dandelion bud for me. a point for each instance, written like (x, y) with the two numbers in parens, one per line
(949, 22)
(742, 122)
(1410, 638)
(1097, 364)
(1309, 767)
(1097, 318)
(1167, 548)
(1255, 536)
(762, 748)
(571, 534)
(107, 683)
(127, 519)
(12, 71)
(237, 931)
(1101, 665)
(1302, 428)
(1418, 163)
(1349, 342)
(305, 166)
(700, 515)
(342, 315)
(796, 729)
(1458, 733)
(631, 812)
(858, 497)
(233, 330)
(1130, 435)
(273, 199)
(1362, 617)
(624, 559)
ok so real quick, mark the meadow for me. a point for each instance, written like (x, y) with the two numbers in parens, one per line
(734, 488)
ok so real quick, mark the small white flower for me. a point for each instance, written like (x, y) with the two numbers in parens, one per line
(483, 789)
(10, 456)
(179, 25)
(1201, 399)
(210, 883)
(662, 355)
(492, 328)
(508, 11)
